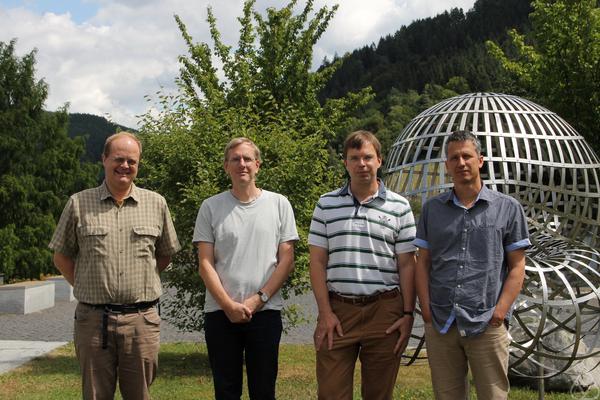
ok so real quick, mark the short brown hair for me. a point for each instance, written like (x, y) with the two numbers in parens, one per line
(117, 135)
(235, 142)
(357, 139)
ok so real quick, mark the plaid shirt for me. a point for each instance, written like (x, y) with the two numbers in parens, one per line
(115, 247)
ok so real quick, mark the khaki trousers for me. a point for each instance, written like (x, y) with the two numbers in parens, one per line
(451, 355)
(364, 337)
(131, 356)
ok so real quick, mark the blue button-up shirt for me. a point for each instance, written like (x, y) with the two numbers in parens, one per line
(468, 250)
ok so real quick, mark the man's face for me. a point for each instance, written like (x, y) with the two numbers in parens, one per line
(362, 164)
(463, 162)
(121, 165)
(241, 164)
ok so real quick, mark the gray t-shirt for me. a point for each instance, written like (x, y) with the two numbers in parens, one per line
(246, 238)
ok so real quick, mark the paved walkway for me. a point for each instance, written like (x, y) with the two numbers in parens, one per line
(14, 353)
(24, 337)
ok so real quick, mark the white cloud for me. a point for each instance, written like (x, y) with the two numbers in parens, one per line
(107, 64)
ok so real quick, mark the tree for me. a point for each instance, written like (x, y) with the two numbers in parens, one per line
(269, 94)
(558, 63)
(399, 108)
(39, 167)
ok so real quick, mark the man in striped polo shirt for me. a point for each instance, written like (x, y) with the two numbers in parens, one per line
(362, 274)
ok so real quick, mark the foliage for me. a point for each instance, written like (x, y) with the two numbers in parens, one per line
(269, 94)
(398, 109)
(432, 50)
(95, 130)
(558, 63)
(39, 167)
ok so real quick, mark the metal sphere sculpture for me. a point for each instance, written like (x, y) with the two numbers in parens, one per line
(535, 156)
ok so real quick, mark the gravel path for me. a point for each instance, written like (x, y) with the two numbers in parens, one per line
(56, 324)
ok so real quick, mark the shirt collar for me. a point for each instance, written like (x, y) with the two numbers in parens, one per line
(381, 191)
(134, 193)
(484, 194)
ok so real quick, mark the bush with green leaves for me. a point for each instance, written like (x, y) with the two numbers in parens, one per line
(558, 63)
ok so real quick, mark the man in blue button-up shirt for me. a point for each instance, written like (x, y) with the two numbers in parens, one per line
(470, 270)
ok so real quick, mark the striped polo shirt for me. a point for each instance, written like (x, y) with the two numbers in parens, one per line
(362, 239)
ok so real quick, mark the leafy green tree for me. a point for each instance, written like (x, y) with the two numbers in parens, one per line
(558, 63)
(269, 94)
(39, 167)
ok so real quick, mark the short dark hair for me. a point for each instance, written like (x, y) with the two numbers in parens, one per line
(357, 139)
(462, 136)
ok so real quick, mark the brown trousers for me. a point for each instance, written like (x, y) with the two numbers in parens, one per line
(131, 356)
(451, 355)
(364, 337)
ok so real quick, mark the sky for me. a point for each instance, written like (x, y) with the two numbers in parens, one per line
(103, 57)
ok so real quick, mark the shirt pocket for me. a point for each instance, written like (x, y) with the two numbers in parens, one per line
(485, 245)
(144, 239)
(94, 240)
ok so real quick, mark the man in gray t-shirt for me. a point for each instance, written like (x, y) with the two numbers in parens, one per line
(245, 238)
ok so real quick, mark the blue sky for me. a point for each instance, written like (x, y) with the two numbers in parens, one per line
(80, 10)
(103, 56)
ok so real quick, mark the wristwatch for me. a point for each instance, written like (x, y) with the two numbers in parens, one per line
(263, 296)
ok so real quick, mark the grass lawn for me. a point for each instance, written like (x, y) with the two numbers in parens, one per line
(184, 373)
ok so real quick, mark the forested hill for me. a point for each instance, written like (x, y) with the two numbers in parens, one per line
(433, 50)
(95, 129)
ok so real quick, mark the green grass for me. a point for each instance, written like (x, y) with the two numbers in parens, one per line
(184, 373)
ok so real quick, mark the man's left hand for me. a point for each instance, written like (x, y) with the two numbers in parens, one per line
(497, 318)
(404, 326)
(254, 303)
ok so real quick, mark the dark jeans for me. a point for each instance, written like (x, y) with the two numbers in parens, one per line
(228, 343)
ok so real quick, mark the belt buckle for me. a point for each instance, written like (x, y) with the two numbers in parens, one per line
(112, 311)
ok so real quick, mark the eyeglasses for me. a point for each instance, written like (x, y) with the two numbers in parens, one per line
(238, 160)
(120, 160)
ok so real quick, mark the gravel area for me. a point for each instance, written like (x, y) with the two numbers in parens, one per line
(56, 324)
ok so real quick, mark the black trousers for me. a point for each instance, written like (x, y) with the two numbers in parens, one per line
(229, 344)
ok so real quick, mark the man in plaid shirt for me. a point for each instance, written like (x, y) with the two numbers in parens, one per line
(111, 244)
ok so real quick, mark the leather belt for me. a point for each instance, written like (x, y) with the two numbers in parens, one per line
(124, 308)
(118, 309)
(360, 300)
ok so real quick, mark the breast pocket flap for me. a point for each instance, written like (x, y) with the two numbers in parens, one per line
(146, 231)
(89, 230)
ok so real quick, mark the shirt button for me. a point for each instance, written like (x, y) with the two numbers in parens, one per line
(458, 286)
(464, 230)
(461, 267)
(463, 248)
(456, 305)
(120, 251)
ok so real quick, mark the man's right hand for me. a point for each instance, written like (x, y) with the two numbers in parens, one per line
(238, 313)
(327, 324)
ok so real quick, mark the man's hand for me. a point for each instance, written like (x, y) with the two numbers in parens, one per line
(404, 326)
(497, 318)
(254, 303)
(327, 323)
(238, 313)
